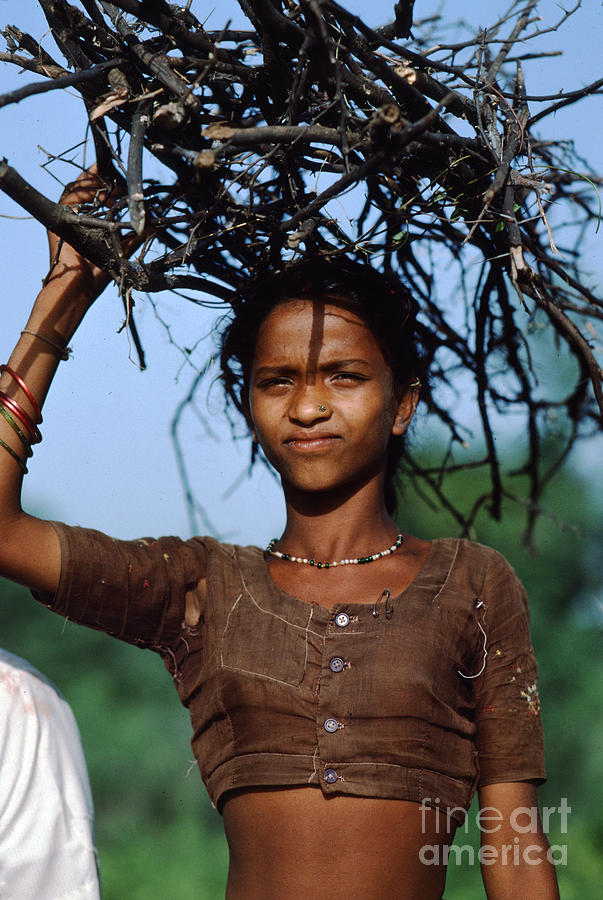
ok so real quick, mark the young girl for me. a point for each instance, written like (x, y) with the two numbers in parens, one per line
(350, 686)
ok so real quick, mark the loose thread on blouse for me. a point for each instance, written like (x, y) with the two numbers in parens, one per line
(485, 651)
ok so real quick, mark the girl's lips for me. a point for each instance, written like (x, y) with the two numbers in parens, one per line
(320, 442)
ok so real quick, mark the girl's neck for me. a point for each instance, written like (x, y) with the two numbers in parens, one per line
(331, 526)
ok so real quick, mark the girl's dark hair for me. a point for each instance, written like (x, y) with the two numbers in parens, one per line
(384, 303)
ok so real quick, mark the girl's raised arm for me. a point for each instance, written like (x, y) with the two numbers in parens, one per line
(29, 547)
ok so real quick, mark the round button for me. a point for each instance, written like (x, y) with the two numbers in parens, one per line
(331, 725)
(342, 619)
(336, 664)
(330, 776)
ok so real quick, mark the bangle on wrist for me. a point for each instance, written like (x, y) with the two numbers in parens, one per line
(64, 352)
(17, 410)
(34, 403)
(22, 437)
(14, 455)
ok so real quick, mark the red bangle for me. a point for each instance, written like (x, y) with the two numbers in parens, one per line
(20, 413)
(26, 391)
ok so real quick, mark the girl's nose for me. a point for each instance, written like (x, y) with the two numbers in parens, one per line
(309, 405)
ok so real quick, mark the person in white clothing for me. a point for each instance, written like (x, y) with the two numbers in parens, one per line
(47, 847)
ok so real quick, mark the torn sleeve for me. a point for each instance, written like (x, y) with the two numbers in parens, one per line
(133, 590)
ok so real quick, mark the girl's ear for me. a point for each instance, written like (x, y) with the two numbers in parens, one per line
(406, 408)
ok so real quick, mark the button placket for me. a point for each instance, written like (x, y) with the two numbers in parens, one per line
(329, 697)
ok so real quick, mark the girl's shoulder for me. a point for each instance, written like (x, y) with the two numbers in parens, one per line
(468, 565)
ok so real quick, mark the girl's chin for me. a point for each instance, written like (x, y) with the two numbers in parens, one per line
(316, 486)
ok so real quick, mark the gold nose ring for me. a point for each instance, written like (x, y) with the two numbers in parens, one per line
(322, 408)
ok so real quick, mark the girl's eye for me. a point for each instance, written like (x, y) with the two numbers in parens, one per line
(347, 376)
(277, 381)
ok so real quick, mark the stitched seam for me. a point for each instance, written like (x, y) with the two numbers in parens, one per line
(291, 684)
(314, 773)
(449, 573)
(221, 703)
(269, 612)
(260, 674)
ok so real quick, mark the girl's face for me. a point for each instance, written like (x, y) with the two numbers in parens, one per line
(322, 400)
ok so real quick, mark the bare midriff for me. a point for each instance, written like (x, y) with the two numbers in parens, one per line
(295, 843)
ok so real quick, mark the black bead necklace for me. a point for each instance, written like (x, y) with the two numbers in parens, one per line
(359, 561)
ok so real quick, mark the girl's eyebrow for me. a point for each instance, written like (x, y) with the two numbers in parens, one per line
(354, 361)
(283, 369)
(288, 369)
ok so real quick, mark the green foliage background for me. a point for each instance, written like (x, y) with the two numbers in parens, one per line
(157, 834)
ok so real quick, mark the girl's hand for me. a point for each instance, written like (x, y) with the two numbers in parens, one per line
(72, 274)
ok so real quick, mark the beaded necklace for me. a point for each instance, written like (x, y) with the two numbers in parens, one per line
(360, 560)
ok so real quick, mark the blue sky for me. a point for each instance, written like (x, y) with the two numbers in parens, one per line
(107, 459)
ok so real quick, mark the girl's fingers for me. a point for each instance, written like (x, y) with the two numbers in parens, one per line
(88, 187)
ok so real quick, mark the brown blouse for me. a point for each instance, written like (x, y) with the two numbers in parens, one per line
(422, 699)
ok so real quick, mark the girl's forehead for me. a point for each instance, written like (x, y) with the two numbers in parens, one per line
(314, 328)
(314, 316)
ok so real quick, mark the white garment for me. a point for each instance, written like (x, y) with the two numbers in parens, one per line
(46, 816)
